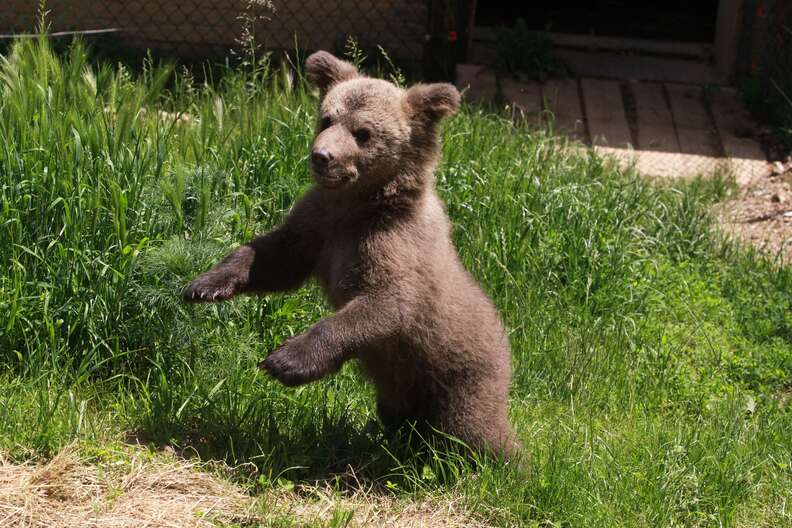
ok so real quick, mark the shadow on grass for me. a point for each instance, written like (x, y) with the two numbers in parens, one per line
(342, 454)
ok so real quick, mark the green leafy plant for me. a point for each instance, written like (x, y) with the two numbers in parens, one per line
(784, 116)
(383, 67)
(524, 53)
(783, 88)
(354, 53)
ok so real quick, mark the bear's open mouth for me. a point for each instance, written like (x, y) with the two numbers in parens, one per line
(330, 182)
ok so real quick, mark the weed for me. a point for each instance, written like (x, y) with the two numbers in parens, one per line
(523, 53)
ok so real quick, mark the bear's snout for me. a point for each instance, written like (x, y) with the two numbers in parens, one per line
(331, 171)
(321, 157)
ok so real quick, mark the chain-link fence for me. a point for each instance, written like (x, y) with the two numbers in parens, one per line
(779, 65)
(767, 60)
(204, 28)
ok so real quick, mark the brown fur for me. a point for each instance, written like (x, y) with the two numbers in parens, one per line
(376, 235)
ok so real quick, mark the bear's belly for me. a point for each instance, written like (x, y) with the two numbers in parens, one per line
(339, 276)
(339, 287)
(402, 379)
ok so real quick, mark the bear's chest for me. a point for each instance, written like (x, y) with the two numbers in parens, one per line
(341, 269)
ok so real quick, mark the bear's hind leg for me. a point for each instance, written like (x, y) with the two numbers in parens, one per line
(483, 426)
(394, 415)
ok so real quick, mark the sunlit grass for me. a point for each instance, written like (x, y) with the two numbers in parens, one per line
(652, 360)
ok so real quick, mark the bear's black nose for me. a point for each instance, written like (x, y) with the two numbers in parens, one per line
(321, 157)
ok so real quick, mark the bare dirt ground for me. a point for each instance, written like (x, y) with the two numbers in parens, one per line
(761, 212)
(135, 488)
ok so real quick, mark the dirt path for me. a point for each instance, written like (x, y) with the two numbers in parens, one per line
(761, 212)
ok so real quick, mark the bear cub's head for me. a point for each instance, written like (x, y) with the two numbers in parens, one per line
(369, 131)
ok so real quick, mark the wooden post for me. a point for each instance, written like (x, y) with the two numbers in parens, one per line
(726, 38)
(442, 40)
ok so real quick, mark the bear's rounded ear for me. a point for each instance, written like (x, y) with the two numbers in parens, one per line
(323, 70)
(433, 101)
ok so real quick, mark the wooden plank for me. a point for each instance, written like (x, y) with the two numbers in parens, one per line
(695, 50)
(695, 129)
(562, 102)
(655, 122)
(734, 123)
(698, 141)
(477, 83)
(727, 36)
(525, 97)
(610, 65)
(651, 105)
(687, 106)
(607, 121)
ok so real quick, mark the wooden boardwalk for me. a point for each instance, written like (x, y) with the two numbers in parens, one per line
(665, 129)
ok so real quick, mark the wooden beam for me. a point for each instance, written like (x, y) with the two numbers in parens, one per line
(696, 50)
(605, 114)
(695, 129)
(727, 37)
(655, 122)
(562, 101)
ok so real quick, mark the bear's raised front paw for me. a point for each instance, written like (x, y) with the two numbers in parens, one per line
(286, 364)
(211, 287)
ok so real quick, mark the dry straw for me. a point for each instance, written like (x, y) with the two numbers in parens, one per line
(135, 489)
(142, 492)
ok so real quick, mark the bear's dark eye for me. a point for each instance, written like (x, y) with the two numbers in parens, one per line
(325, 123)
(362, 135)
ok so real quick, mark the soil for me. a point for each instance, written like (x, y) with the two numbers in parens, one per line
(761, 212)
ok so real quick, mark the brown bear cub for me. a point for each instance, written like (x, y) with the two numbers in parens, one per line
(376, 236)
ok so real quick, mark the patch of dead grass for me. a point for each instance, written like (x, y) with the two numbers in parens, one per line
(142, 491)
(134, 488)
(374, 510)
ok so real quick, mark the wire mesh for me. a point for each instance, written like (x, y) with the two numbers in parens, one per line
(769, 66)
(199, 28)
(779, 64)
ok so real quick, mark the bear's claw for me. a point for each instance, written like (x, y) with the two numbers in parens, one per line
(284, 365)
(205, 289)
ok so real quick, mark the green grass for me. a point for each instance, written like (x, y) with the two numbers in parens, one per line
(652, 359)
